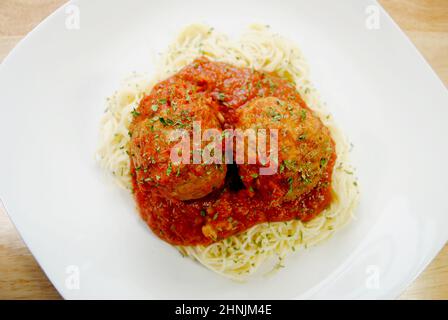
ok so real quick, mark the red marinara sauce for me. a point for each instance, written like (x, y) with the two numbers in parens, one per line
(228, 210)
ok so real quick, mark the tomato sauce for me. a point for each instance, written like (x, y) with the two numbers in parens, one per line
(232, 209)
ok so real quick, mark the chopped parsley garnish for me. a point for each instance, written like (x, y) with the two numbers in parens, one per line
(215, 216)
(290, 182)
(276, 116)
(290, 164)
(323, 162)
(162, 120)
(221, 96)
(162, 101)
(254, 175)
(203, 213)
(305, 179)
(169, 169)
(135, 113)
(166, 122)
(155, 107)
(303, 114)
(282, 168)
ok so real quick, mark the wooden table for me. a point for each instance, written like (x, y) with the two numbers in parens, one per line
(424, 21)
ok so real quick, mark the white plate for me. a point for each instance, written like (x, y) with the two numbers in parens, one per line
(78, 223)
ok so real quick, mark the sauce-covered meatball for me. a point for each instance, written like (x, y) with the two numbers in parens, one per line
(304, 148)
(153, 141)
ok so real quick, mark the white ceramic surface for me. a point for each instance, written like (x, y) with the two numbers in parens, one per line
(383, 94)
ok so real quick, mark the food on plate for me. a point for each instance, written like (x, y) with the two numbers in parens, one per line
(228, 151)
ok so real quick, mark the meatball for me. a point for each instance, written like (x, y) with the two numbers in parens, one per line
(305, 149)
(151, 148)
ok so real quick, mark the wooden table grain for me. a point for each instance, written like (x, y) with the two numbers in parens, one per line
(424, 21)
